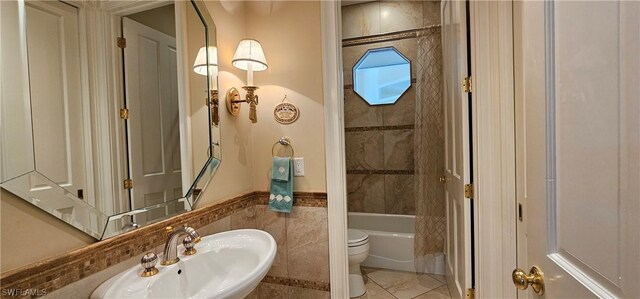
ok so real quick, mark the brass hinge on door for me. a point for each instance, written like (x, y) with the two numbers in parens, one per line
(466, 84)
(122, 42)
(468, 190)
(124, 113)
(128, 183)
(471, 293)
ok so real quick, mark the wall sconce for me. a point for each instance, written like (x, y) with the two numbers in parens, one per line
(249, 57)
(200, 68)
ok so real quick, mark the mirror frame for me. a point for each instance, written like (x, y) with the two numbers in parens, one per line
(100, 21)
(202, 179)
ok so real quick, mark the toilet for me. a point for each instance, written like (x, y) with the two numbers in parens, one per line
(358, 252)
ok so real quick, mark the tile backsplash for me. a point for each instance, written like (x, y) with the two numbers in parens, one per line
(302, 259)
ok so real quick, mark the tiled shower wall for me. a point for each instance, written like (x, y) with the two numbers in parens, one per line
(379, 139)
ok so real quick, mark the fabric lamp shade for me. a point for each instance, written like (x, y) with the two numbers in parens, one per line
(249, 56)
(200, 65)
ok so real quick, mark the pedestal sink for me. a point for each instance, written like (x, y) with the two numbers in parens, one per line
(227, 265)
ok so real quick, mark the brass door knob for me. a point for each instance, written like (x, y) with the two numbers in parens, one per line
(535, 278)
(443, 179)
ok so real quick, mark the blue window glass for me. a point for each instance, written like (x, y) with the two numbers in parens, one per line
(381, 76)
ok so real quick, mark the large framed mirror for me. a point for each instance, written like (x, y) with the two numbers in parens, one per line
(109, 112)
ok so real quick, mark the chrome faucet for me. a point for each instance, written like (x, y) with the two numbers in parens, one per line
(170, 255)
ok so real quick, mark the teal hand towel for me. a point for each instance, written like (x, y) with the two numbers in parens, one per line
(281, 197)
(280, 169)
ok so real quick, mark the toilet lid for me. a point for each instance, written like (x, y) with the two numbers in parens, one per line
(356, 237)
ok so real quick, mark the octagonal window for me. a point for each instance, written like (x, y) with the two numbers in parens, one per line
(381, 76)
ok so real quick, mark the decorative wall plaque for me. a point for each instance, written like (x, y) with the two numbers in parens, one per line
(286, 113)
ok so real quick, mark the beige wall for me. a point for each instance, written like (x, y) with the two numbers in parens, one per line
(30, 234)
(290, 35)
(294, 55)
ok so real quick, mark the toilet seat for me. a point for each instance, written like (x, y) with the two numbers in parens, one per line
(357, 237)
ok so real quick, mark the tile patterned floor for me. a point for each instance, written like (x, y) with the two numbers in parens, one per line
(392, 284)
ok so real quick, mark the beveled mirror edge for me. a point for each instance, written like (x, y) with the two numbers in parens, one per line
(107, 233)
(193, 193)
(208, 170)
(55, 190)
(112, 10)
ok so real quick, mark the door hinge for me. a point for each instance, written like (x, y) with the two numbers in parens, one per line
(122, 42)
(471, 293)
(520, 212)
(466, 84)
(128, 183)
(468, 190)
(124, 113)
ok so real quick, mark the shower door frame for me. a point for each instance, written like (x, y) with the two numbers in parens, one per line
(333, 86)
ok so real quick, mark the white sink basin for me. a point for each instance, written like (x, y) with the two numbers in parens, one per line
(227, 265)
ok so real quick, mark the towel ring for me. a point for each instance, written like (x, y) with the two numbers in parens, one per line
(284, 141)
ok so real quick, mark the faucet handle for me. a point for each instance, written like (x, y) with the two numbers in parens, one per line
(189, 243)
(149, 262)
(195, 237)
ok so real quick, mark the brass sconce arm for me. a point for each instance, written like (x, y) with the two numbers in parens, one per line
(215, 116)
(252, 99)
(233, 102)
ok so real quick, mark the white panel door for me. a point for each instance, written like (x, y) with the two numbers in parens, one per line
(56, 95)
(16, 157)
(457, 152)
(152, 97)
(578, 145)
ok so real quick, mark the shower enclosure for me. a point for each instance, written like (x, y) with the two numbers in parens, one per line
(394, 132)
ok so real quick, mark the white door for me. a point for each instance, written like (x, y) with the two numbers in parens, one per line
(57, 105)
(578, 146)
(457, 151)
(152, 98)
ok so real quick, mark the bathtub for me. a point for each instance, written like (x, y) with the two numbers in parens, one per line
(391, 238)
